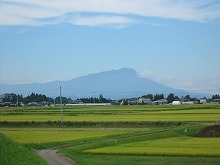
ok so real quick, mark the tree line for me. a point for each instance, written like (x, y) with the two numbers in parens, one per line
(100, 99)
(170, 98)
(39, 98)
(215, 97)
(13, 98)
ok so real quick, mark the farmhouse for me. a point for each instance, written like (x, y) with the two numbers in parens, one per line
(216, 101)
(33, 104)
(161, 102)
(203, 101)
(132, 101)
(188, 102)
(144, 101)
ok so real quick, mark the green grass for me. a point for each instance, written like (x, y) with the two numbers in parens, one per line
(12, 153)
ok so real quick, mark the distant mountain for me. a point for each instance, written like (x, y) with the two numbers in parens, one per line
(114, 84)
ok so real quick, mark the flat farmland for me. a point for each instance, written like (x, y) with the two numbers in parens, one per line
(174, 146)
(55, 135)
(115, 134)
(116, 118)
(185, 113)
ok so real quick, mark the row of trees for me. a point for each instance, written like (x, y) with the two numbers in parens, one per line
(170, 98)
(215, 97)
(99, 99)
(154, 97)
(39, 98)
(13, 98)
(186, 98)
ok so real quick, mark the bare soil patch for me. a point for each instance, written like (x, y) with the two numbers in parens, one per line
(211, 131)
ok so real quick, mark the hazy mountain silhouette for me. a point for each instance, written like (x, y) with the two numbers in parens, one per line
(115, 84)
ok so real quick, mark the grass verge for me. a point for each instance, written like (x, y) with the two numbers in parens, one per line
(12, 153)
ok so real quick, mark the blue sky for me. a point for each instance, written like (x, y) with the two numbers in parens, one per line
(174, 42)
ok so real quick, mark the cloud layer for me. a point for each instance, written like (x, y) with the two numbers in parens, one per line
(203, 85)
(98, 12)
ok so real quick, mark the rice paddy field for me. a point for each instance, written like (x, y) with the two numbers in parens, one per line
(200, 113)
(143, 134)
(174, 146)
(58, 135)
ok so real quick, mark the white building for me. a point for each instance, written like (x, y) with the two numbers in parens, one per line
(203, 101)
(176, 103)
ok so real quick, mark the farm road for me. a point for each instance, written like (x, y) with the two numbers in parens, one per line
(53, 158)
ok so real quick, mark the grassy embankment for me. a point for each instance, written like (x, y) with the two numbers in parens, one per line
(12, 153)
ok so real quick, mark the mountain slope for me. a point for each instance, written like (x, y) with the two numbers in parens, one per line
(116, 84)
(122, 83)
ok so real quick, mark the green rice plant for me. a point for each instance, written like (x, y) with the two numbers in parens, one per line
(12, 153)
(200, 117)
(175, 146)
(29, 136)
(184, 113)
(91, 159)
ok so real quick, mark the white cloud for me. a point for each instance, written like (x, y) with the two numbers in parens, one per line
(101, 20)
(145, 74)
(37, 13)
(204, 85)
(199, 85)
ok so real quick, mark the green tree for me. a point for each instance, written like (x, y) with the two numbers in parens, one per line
(215, 97)
(11, 97)
(176, 98)
(64, 100)
(158, 97)
(36, 98)
(102, 99)
(187, 98)
(170, 98)
(148, 96)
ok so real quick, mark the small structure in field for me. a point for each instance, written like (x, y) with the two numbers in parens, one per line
(176, 103)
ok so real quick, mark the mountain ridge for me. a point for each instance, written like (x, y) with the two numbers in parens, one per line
(114, 84)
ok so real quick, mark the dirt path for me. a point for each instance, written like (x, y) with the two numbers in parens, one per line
(53, 158)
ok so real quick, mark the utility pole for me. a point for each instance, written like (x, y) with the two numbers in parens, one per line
(137, 97)
(94, 97)
(17, 100)
(54, 100)
(61, 110)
